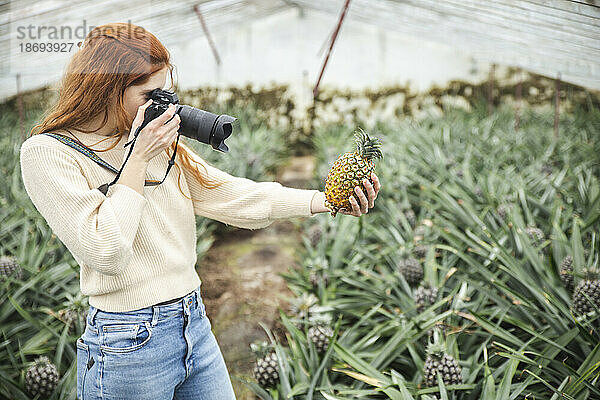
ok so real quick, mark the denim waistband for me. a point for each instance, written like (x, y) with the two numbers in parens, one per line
(171, 307)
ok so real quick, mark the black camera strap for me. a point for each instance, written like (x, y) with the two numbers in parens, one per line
(91, 154)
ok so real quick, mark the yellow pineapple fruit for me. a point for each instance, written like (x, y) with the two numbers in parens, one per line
(349, 170)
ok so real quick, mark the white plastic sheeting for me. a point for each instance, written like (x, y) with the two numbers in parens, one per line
(542, 36)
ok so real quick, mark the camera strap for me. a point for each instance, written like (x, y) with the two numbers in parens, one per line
(89, 153)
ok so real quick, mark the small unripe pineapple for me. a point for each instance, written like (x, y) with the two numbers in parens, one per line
(566, 272)
(411, 217)
(10, 267)
(318, 277)
(420, 251)
(315, 232)
(320, 335)
(41, 378)
(502, 211)
(266, 367)
(439, 361)
(411, 269)
(536, 235)
(425, 296)
(590, 287)
(348, 172)
(72, 318)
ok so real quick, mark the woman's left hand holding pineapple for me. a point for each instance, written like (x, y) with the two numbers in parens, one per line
(366, 200)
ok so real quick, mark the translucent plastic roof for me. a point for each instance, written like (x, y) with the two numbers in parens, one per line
(543, 36)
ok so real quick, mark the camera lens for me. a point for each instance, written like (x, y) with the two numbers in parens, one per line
(205, 126)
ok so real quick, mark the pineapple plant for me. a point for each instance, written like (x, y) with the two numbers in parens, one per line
(425, 296)
(10, 267)
(266, 367)
(41, 378)
(348, 172)
(566, 272)
(411, 269)
(439, 361)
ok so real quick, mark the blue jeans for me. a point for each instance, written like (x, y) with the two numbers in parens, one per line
(158, 352)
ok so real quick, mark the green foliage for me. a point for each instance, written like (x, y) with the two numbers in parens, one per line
(504, 311)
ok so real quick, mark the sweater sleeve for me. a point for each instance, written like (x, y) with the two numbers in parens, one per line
(243, 202)
(98, 230)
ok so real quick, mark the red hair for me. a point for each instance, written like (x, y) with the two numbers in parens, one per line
(111, 58)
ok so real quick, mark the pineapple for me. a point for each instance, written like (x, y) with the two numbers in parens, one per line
(590, 286)
(72, 318)
(41, 378)
(566, 272)
(320, 335)
(502, 211)
(411, 217)
(9, 266)
(318, 268)
(411, 269)
(547, 168)
(425, 296)
(318, 277)
(536, 235)
(438, 361)
(420, 251)
(315, 232)
(266, 368)
(348, 172)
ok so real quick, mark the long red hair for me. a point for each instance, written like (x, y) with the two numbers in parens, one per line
(111, 58)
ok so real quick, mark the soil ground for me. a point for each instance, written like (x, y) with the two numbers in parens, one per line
(240, 282)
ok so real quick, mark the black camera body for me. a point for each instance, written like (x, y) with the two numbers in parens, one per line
(197, 124)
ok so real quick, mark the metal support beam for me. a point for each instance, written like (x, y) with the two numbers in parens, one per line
(337, 29)
(207, 33)
(20, 108)
(518, 90)
(556, 104)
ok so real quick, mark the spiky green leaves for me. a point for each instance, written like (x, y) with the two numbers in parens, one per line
(367, 147)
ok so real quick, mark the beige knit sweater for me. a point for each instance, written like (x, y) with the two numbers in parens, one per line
(134, 250)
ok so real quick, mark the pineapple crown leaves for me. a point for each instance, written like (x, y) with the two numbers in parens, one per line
(367, 147)
(261, 348)
(317, 263)
(437, 348)
(42, 360)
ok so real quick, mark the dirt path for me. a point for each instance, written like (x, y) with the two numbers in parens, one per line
(240, 282)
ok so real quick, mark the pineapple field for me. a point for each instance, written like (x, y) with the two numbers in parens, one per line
(475, 276)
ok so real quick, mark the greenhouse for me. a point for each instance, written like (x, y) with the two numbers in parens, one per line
(300, 199)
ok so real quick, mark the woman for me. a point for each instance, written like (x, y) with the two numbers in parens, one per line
(147, 335)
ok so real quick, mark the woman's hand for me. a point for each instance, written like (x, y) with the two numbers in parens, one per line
(155, 137)
(365, 203)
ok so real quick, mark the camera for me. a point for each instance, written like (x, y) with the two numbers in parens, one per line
(197, 124)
